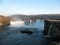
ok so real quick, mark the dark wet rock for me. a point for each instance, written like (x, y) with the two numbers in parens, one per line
(56, 38)
(54, 43)
(27, 30)
(52, 29)
(56, 32)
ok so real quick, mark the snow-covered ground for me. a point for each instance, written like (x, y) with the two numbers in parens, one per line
(38, 24)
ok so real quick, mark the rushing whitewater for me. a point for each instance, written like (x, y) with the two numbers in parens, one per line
(38, 24)
(17, 23)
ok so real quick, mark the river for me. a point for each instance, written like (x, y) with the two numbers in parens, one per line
(11, 35)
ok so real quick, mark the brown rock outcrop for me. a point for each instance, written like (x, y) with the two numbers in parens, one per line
(4, 21)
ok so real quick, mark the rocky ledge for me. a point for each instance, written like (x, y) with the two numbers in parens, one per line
(4, 21)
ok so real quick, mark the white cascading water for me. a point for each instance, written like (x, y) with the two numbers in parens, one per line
(16, 23)
(20, 23)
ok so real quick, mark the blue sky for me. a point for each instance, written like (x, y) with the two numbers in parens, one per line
(29, 7)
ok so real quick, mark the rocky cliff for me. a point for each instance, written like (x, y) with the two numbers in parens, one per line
(4, 21)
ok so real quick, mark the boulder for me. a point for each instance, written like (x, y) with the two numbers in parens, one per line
(27, 31)
(4, 21)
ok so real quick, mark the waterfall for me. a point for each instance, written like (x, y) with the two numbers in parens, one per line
(16, 23)
(38, 24)
(50, 31)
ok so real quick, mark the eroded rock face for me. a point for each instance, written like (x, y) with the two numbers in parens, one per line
(4, 21)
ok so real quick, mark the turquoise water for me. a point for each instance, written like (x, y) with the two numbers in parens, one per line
(12, 35)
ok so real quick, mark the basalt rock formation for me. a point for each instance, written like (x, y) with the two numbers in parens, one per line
(4, 21)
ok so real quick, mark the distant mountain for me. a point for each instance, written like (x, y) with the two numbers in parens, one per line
(42, 16)
(18, 17)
